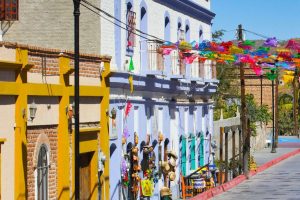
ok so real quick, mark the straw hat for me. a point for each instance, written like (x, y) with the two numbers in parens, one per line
(172, 154)
(165, 191)
(172, 162)
(135, 150)
(172, 176)
(164, 165)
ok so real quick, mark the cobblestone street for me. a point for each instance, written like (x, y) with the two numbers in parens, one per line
(278, 182)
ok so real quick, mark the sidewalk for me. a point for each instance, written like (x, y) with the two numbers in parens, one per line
(263, 156)
(264, 159)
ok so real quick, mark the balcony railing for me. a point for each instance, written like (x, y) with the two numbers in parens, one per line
(178, 64)
(195, 69)
(155, 57)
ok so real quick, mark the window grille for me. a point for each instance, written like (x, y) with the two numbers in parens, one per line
(9, 10)
(42, 174)
(155, 57)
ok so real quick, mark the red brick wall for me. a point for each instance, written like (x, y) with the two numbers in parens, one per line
(48, 64)
(36, 137)
(253, 86)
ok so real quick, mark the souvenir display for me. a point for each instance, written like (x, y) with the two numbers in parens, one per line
(149, 169)
(167, 168)
(134, 183)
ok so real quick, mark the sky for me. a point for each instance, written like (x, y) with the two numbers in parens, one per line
(271, 18)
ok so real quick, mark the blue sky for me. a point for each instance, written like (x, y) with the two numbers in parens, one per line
(273, 18)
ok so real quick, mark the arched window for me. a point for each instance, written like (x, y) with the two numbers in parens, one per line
(200, 34)
(143, 42)
(180, 32)
(187, 31)
(167, 37)
(42, 174)
(117, 34)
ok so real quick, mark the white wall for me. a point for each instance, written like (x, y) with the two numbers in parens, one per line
(156, 13)
(47, 110)
(7, 54)
(7, 121)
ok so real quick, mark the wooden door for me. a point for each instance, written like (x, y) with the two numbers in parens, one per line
(85, 176)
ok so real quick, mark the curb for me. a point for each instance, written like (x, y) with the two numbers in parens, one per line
(241, 178)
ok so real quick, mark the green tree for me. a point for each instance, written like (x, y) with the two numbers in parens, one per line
(285, 115)
(256, 113)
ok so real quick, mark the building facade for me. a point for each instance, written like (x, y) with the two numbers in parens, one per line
(157, 95)
(50, 24)
(36, 128)
(37, 155)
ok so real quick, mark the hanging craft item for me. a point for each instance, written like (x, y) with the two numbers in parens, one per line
(125, 166)
(130, 80)
(131, 66)
(148, 167)
(167, 167)
(127, 108)
(125, 170)
(125, 133)
(134, 169)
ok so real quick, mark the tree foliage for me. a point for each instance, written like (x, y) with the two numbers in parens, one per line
(285, 115)
(217, 35)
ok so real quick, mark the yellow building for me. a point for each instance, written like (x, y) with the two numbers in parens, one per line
(36, 136)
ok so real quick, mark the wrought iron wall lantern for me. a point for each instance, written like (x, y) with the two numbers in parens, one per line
(32, 111)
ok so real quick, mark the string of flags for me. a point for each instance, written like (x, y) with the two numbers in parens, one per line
(267, 58)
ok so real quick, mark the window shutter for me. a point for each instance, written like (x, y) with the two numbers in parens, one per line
(183, 156)
(201, 151)
(9, 10)
(193, 153)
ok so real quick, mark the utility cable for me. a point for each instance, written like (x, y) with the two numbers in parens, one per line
(257, 34)
(110, 16)
(111, 21)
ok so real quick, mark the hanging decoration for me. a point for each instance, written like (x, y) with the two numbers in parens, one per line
(134, 169)
(131, 66)
(127, 108)
(288, 77)
(270, 54)
(148, 168)
(130, 80)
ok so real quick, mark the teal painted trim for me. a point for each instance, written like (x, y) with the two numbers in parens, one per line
(193, 153)
(183, 156)
(201, 150)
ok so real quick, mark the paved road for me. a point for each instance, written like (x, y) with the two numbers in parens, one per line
(288, 142)
(278, 182)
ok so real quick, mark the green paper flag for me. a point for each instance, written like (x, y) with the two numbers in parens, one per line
(271, 76)
(131, 66)
(249, 43)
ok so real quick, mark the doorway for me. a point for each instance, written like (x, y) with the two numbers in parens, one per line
(85, 175)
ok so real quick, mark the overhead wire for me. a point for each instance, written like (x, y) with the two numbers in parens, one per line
(140, 33)
(257, 34)
(93, 8)
(125, 28)
(110, 16)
